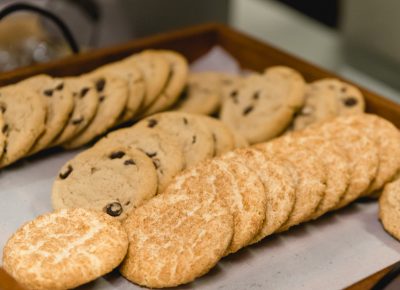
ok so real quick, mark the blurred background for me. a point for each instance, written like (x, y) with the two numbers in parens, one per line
(355, 38)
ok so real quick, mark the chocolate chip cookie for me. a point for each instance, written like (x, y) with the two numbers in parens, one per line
(193, 136)
(86, 102)
(136, 86)
(202, 94)
(115, 180)
(260, 107)
(59, 106)
(24, 113)
(177, 76)
(154, 69)
(158, 145)
(112, 92)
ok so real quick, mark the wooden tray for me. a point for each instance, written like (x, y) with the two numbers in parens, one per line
(194, 42)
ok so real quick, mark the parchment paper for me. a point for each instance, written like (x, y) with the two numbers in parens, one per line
(331, 253)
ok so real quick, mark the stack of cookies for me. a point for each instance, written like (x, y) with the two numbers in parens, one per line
(263, 106)
(131, 165)
(265, 189)
(213, 208)
(43, 112)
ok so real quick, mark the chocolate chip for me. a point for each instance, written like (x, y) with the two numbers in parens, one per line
(5, 148)
(129, 162)
(151, 155)
(66, 173)
(113, 209)
(117, 155)
(48, 92)
(60, 87)
(100, 84)
(185, 121)
(127, 203)
(194, 139)
(185, 93)
(77, 121)
(101, 98)
(234, 96)
(84, 92)
(343, 89)
(5, 128)
(151, 123)
(3, 108)
(156, 163)
(350, 101)
(256, 95)
(247, 110)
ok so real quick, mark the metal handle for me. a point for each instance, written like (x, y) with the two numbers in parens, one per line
(61, 25)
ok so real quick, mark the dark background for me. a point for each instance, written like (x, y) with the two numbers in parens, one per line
(324, 11)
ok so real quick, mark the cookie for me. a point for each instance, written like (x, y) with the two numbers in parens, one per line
(352, 140)
(279, 187)
(136, 86)
(154, 69)
(202, 94)
(311, 177)
(223, 137)
(163, 150)
(236, 185)
(389, 208)
(112, 94)
(178, 72)
(240, 141)
(227, 83)
(114, 180)
(262, 106)
(350, 98)
(64, 249)
(387, 140)
(24, 113)
(337, 167)
(193, 136)
(320, 104)
(175, 238)
(59, 106)
(3, 136)
(85, 106)
(326, 99)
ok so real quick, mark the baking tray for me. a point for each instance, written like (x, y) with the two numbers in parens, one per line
(194, 42)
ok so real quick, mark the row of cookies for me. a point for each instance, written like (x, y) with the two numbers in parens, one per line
(210, 210)
(265, 189)
(263, 106)
(42, 111)
(131, 165)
